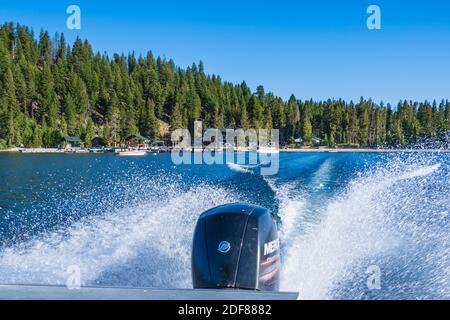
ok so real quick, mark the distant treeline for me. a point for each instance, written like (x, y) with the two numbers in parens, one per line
(50, 89)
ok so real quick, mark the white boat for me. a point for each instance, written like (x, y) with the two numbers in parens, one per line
(96, 150)
(268, 149)
(131, 153)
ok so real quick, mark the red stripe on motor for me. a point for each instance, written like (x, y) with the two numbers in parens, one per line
(269, 261)
(269, 275)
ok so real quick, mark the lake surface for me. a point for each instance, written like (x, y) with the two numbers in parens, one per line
(343, 218)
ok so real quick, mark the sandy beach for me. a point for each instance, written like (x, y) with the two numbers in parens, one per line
(10, 150)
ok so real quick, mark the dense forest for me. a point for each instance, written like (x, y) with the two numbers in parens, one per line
(49, 89)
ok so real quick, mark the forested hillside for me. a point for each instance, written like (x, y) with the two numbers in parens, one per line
(49, 89)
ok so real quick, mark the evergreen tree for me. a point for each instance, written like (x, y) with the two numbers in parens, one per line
(306, 129)
(256, 112)
(149, 126)
(176, 118)
(113, 122)
(89, 133)
(10, 110)
(70, 114)
(48, 105)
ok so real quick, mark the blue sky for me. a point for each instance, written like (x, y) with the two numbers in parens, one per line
(314, 49)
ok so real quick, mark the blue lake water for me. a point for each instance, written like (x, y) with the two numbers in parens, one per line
(129, 221)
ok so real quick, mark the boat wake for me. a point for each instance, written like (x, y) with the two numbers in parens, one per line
(143, 245)
(393, 216)
(243, 168)
(362, 227)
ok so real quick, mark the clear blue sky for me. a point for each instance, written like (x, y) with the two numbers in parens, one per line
(314, 49)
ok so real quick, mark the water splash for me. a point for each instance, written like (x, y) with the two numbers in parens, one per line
(394, 214)
(360, 226)
(240, 168)
(246, 168)
(143, 245)
(291, 208)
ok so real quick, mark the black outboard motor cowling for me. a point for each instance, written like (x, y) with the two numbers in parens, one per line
(236, 246)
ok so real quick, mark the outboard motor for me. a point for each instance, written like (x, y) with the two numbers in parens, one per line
(236, 246)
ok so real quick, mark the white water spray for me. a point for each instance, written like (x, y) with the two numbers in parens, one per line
(357, 225)
(149, 243)
(144, 245)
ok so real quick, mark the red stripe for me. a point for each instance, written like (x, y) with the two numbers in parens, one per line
(271, 273)
(269, 261)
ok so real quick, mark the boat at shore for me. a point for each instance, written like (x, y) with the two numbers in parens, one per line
(130, 153)
(267, 149)
(40, 150)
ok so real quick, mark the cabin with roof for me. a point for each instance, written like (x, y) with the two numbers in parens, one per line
(159, 144)
(98, 142)
(72, 142)
(137, 141)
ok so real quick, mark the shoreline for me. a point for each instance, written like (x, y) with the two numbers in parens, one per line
(291, 150)
(31, 150)
(9, 150)
(362, 150)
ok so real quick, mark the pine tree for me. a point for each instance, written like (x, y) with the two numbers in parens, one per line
(45, 48)
(176, 118)
(37, 136)
(268, 120)
(113, 122)
(27, 136)
(70, 114)
(363, 127)
(306, 129)
(48, 105)
(256, 112)
(149, 126)
(78, 93)
(10, 109)
(243, 118)
(5, 57)
(89, 133)
(292, 118)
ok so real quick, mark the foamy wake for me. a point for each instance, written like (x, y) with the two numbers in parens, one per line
(239, 168)
(145, 245)
(357, 225)
(149, 244)
(291, 208)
